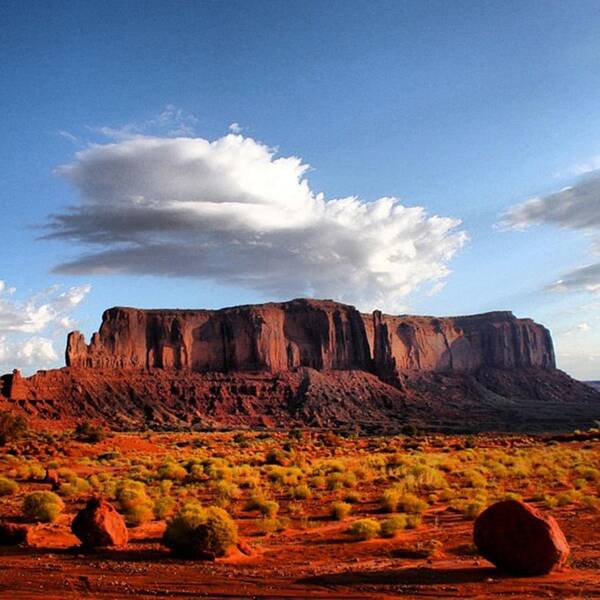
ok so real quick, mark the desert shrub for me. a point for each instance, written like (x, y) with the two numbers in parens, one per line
(473, 509)
(413, 521)
(90, 433)
(340, 510)
(276, 457)
(268, 508)
(130, 493)
(134, 501)
(108, 456)
(589, 501)
(12, 426)
(365, 529)
(67, 474)
(139, 514)
(352, 497)
(172, 471)
(300, 492)
(474, 479)
(391, 526)
(429, 548)
(295, 434)
(394, 500)
(588, 473)
(318, 482)
(409, 430)
(165, 487)
(75, 487)
(390, 499)
(337, 480)
(8, 487)
(268, 526)
(195, 531)
(429, 479)
(42, 506)
(225, 492)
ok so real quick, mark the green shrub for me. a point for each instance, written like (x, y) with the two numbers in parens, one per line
(8, 487)
(352, 497)
(87, 432)
(390, 499)
(139, 514)
(225, 492)
(409, 503)
(394, 500)
(75, 487)
(391, 526)
(365, 529)
(340, 510)
(196, 531)
(409, 430)
(172, 471)
(12, 426)
(164, 507)
(413, 521)
(268, 508)
(130, 493)
(42, 506)
(473, 509)
(301, 492)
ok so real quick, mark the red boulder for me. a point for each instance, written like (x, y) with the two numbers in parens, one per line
(99, 524)
(519, 539)
(12, 534)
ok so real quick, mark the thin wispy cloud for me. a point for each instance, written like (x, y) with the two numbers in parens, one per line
(576, 208)
(232, 211)
(172, 121)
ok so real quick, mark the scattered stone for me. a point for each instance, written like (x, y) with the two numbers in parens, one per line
(99, 524)
(245, 548)
(519, 539)
(12, 534)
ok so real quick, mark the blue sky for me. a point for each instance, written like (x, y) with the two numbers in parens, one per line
(466, 109)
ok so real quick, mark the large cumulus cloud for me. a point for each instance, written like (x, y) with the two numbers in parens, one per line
(232, 210)
(576, 207)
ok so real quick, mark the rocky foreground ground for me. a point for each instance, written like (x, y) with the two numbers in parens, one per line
(303, 548)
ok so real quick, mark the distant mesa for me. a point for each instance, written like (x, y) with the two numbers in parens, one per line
(318, 334)
(309, 363)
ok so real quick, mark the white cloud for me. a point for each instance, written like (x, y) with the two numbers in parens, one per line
(576, 329)
(576, 207)
(22, 323)
(235, 128)
(170, 122)
(232, 211)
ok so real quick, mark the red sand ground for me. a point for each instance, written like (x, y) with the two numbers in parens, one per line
(319, 562)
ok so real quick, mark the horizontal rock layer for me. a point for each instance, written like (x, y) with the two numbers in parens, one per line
(321, 335)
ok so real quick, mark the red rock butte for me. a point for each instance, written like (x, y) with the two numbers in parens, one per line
(319, 334)
(308, 362)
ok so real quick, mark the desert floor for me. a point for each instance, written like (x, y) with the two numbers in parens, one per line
(302, 551)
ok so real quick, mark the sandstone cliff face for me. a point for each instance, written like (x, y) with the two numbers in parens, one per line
(322, 335)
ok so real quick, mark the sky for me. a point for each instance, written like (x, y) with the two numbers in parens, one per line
(417, 157)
